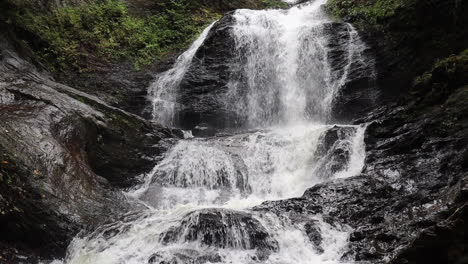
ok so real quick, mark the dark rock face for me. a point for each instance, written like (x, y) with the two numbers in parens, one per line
(204, 130)
(409, 41)
(314, 234)
(207, 78)
(118, 84)
(220, 228)
(68, 150)
(358, 94)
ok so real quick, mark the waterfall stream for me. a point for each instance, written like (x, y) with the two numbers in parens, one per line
(201, 198)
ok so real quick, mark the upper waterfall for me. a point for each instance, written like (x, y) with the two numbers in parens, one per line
(282, 70)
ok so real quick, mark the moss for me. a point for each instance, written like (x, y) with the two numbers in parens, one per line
(443, 89)
(423, 79)
(452, 71)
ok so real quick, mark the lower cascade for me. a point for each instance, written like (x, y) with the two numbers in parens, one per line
(201, 203)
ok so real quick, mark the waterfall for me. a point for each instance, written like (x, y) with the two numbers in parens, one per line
(202, 196)
(285, 71)
(163, 90)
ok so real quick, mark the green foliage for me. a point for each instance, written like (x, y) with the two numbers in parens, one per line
(274, 4)
(423, 79)
(366, 12)
(71, 37)
(442, 81)
(453, 63)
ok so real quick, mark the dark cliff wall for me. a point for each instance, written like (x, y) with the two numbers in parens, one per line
(407, 36)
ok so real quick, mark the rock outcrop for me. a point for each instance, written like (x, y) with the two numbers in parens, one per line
(63, 154)
(222, 229)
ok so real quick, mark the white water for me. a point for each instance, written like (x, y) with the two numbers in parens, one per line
(285, 90)
(280, 49)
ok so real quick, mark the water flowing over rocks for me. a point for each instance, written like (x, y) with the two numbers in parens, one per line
(223, 229)
(200, 195)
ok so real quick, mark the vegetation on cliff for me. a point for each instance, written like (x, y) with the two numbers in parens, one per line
(77, 36)
(444, 86)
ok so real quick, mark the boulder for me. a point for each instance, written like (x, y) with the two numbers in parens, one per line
(220, 228)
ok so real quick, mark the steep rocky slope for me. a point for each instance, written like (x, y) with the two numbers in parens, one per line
(62, 154)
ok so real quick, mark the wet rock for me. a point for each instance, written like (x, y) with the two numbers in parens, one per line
(200, 163)
(408, 203)
(179, 256)
(118, 84)
(203, 89)
(207, 78)
(222, 228)
(314, 234)
(204, 130)
(71, 150)
(358, 93)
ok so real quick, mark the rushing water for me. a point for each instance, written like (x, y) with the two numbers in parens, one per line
(201, 197)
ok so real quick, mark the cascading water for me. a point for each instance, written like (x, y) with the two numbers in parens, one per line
(202, 196)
